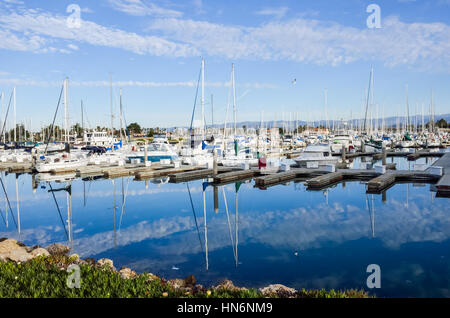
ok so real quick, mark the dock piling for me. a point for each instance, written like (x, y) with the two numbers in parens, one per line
(343, 153)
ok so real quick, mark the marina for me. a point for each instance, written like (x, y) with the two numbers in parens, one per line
(130, 221)
(206, 149)
(256, 206)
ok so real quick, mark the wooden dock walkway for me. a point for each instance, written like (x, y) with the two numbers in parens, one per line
(443, 185)
(155, 173)
(234, 176)
(197, 174)
(388, 179)
(16, 167)
(326, 180)
(282, 176)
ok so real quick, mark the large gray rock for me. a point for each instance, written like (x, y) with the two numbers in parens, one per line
(8, 245)
(106, 262)
(127, 273)
(19, 255)
(226, 285)
(278, 290)
(10, 249)
(57, 249)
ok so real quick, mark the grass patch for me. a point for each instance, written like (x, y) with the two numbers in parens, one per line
(46, 277)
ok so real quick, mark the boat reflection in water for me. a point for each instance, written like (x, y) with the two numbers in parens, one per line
(285, 234)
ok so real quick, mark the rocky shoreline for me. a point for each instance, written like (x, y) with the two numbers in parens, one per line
(57, 255)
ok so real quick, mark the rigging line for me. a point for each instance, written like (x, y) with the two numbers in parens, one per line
(195, 100)
(54, 118)
(59, 211)
(6, 115)
(7, 200)
(195, 217)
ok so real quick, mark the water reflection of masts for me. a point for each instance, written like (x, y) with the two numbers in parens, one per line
(57, 207)
(124, 197)
(236, 223)
(114, 212)
(370, 205)
(6, 207)
(195, 217)
(229, 224)
(407, 195)
(69, 211)
(372, 214)
(8, 203)
(206, 228)
(17, 203)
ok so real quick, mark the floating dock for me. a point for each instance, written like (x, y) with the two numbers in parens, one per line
(234, 176)
(443, 185)
(197, 174)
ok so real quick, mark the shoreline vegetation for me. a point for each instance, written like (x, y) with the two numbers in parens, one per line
(36, 272)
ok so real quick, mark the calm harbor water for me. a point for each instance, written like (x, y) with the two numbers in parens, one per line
(285, 234)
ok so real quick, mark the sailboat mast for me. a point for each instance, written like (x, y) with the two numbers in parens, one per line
(66, 109)
(14, 106)
(82, 121)
(326, 108)
(203, 99)
(423, 120)
(368, 101)
(212, 111)
(432, 112)
(407, 110)
(111, 105)
(2, 97)
(234, 97)
(120, 115)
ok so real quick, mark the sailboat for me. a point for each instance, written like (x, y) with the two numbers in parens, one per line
(195, 151)
(61, 160)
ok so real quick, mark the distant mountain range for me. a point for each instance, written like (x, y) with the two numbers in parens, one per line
(389, 122)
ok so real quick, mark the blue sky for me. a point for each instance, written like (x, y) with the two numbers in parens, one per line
(153, 49)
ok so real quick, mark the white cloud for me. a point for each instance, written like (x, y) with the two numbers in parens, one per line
(312, 41)
(73, 47)
(419, 45)
(139, 8)
(38, 83)
(276, 12)
(11, 41)
(13, 1)
(38, 29)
